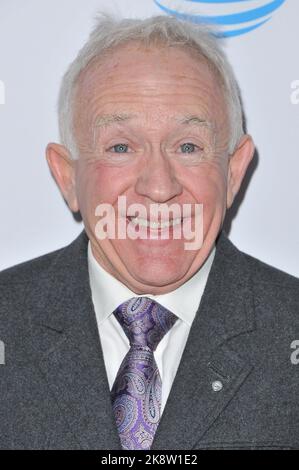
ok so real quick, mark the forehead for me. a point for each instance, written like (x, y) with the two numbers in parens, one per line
(155, 79)
(156, 66)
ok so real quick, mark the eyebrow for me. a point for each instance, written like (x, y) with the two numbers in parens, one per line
(193, 119)
(107, 120)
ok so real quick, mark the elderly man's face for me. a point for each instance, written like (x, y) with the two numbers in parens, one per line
(152, 125)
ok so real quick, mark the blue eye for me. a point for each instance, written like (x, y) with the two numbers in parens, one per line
(188, 147)
(120, 148)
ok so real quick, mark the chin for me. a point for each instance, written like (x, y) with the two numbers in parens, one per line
(158, 275)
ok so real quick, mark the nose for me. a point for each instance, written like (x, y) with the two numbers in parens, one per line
(157, 180)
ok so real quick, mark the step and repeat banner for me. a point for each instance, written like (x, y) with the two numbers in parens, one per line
(38, 39)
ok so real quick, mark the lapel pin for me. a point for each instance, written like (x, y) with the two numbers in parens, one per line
(217, 386)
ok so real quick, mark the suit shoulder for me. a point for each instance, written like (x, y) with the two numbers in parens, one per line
(28, 271)
(20, 280)
(276, 296)
(266, 274)
(22, 287)
(35, 268)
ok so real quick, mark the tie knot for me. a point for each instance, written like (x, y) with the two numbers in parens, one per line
(144, 321)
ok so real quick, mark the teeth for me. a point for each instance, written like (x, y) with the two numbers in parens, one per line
(155, 225)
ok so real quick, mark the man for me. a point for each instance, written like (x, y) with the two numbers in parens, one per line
(125, 342)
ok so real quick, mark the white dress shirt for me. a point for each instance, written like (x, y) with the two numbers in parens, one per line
(108, 293)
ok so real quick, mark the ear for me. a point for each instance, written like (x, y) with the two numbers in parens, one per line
(237, 167)
(62, 167)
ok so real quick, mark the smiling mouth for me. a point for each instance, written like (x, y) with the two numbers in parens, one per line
(155, 225)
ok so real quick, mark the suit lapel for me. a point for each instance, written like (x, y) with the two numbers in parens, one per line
(72, 363)
(225, 311)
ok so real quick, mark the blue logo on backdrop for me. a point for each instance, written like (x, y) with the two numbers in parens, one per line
(235, 17)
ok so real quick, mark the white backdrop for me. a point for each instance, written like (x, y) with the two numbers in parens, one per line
(38, 39)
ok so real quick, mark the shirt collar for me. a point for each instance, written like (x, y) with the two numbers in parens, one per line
(108, 292)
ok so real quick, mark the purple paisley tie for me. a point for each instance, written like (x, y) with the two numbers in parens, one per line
(136, 392)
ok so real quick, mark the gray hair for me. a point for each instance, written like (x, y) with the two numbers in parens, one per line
(111, 32)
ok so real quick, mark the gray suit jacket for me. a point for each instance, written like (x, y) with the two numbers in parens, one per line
(54, 392)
